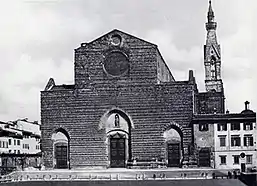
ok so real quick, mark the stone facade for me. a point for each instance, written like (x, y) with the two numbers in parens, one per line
(145, 95)
(125, 109)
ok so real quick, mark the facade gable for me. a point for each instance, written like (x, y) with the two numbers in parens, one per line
(117, 57)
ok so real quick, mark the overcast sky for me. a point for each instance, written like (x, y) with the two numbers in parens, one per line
(38, 38)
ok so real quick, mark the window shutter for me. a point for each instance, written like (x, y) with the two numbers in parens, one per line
(245, 141)
(225, 126)
(251, 141)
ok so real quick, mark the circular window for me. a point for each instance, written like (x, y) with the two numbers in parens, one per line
(116, 64)
(116, 40)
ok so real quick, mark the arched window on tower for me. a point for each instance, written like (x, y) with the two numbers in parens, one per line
(213, 67)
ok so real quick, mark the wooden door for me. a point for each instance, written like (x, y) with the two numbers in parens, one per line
(173, 155)
(61, 154)
(117, 152)
(204, 157)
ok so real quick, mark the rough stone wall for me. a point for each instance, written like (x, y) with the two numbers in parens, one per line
(210, 102)
(89, 61)
(150, 106)
(163, 72)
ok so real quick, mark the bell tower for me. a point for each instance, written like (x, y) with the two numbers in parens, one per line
(212, 55)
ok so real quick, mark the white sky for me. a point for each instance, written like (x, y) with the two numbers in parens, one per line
(38, 38)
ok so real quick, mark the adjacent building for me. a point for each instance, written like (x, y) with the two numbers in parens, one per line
(7, 137)
(19, 145)
(20, 137)
(226, 141)
(125, 109)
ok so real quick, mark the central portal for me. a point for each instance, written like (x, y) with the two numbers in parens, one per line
(118, 140)
(117, 151)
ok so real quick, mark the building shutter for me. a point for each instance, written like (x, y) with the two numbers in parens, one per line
(251, 141)
(245, 141)
(225, 127)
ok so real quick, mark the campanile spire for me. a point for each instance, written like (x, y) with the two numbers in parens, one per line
(210, 13)
(211, 24)
(212, 55)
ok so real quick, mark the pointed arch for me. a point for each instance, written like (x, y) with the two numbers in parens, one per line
(174, 151)
(61, 149)
(117, 125)
(175, 126)
(115, 110)
(62, 130)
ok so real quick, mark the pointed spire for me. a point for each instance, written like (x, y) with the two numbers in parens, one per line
(211, 24)
(210, 13)
(210, 7)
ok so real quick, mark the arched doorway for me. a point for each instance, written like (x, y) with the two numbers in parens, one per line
(174, 146)
(60, 149)
(118, 130)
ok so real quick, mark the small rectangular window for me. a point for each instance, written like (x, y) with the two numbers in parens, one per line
(235, 140)
(249, 159)
(222, 141)
(236, 159)
(248, 140)
(203, 127)
(235, 126)
(10, 141)
(222, 127)
(18, 142)
(248, 126)
(14, 142)
(223, 160)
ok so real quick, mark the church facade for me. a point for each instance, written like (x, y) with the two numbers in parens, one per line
(125, 108)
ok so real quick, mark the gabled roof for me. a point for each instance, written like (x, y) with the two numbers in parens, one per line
(116, 31)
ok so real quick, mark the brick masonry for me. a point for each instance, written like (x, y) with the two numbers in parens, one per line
(146, 93)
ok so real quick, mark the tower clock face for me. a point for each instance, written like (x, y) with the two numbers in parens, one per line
(116, 64)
